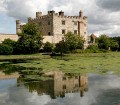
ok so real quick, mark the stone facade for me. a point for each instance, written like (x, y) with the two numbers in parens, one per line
(54, 25)
(8, 36)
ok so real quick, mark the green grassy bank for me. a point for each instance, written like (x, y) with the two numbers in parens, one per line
(74, 63)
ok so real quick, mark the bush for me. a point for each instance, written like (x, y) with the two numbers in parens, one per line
(79, 51)
(5, 49)
(93, 48)
(9, 42)
(48, 47)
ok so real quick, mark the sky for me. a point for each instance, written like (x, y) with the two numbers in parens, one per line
(101, 87)
(103, 15)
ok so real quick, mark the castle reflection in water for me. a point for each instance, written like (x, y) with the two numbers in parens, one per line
(56, 84)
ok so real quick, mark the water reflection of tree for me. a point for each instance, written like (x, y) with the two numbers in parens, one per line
(59, 84)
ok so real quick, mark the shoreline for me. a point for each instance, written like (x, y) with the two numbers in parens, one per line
(11, 76)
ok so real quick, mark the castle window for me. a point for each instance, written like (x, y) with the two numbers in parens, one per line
(85, 25)
(63, 22)
(64, 86)
(75, 22)
(63, 31)
(76, 77)
(48, 22)
(49, 33)
(75, 31)
(64, 78)
(76, 85)
(84, 32)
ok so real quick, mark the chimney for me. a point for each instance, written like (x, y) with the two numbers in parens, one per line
(61, 13)
(81, 14)
(51, 12)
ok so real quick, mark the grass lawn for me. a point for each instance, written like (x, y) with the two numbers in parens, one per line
(74, 63)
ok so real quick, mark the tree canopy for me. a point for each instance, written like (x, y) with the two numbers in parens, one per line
(30, 39)
(74, 41)
(103, 42)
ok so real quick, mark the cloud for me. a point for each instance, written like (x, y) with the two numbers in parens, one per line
(111, 5)
(22, 9)
(102, 14)
(2, 6)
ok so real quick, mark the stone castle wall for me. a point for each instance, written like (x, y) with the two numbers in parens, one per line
(52, 39)
(51, 26)
(45, 24)
(8, 36)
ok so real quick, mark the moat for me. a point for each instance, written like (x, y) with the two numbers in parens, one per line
(57, 88)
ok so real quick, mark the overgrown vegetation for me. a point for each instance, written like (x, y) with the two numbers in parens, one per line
(71, 63)
(30, 42)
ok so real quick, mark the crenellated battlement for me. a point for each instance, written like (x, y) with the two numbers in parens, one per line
(60, 14)
(55, 25)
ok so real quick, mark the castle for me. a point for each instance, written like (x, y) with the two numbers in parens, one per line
(57, 84)
(54, 25)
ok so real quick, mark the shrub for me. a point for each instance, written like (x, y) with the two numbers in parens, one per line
(93, 48)
(5, 49)
(48, 47)
(9, 42)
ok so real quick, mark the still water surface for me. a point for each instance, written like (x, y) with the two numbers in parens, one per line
(62, 89)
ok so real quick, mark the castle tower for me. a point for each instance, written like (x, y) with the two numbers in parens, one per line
(18, 30)
(38, 14)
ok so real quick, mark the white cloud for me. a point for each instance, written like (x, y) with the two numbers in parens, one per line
(100, 12)
(2, 6)
(22, 9)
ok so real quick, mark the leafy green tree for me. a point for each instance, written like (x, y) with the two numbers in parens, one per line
(61, 47)
(80, 44)
(114, 45)
(30, 39)
(73, 41)
(48, 47)
(117, 39)
(103, 42)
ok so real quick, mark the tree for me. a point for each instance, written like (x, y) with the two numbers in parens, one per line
(73, 41)
(48, 47)
(117, 39)
(80, 44)
(61, 47)
(30, 39)
(114, 45)
(104, 42)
